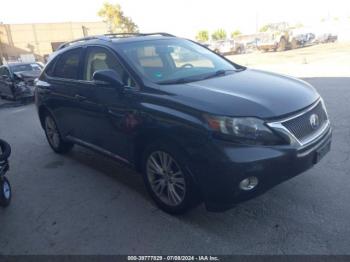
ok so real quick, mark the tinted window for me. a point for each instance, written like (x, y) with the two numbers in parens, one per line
(67, 65)
(98, 58)
(49, 70)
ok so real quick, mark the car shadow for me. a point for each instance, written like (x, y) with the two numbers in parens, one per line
(111, 168)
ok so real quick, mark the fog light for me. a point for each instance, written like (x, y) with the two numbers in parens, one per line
(249, 183)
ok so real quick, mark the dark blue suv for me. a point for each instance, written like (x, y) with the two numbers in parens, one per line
(198, 126)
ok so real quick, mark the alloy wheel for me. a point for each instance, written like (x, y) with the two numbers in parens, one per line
(166, 178)
(6, 190)
(52, 132)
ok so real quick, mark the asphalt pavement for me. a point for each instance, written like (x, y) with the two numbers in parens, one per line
(84, 203)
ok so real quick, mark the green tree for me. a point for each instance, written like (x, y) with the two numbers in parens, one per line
(202, 36)
(235, 33)
(219, 34)
(117, 22)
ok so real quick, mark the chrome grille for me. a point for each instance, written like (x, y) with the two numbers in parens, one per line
(301, 127)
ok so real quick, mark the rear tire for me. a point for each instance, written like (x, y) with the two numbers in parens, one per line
(54, 137)
(168, 179)
(5, 192)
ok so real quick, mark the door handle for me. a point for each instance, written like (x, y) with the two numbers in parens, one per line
(80, 98)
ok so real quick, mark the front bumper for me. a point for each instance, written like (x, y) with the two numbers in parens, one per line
(23, 92)
(227, 165)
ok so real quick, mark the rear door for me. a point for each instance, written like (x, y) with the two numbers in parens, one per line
(61, 85)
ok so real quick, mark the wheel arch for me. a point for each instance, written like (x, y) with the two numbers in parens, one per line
(147, 137)
(43, 111)
(187, 144)
(160, 135)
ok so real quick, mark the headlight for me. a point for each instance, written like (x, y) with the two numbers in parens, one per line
(243, 130)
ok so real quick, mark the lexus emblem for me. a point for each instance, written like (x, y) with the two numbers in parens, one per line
(314, 121)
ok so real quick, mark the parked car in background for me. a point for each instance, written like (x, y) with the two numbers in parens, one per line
(199, 129)
(227, 47)
(17, 80)
(302, 39)
(326, 38)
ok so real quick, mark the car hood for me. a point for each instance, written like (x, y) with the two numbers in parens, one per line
(250, 92)
(28, 75)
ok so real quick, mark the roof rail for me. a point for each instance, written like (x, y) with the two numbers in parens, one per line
(138, 34)
(104, 38)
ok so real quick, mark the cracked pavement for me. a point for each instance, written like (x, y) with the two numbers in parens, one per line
(84, 203)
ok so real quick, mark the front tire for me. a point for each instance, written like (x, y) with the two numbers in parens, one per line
(54, 137)
(168, 180)
(5, 192)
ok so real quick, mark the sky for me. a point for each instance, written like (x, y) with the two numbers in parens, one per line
(180, 17)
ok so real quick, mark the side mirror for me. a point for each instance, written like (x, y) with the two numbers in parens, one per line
(108, 76)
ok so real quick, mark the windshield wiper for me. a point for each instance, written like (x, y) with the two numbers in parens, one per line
(220, 72)
(179, 81)
(184, 80)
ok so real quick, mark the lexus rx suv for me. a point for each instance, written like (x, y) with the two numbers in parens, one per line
(199, 127)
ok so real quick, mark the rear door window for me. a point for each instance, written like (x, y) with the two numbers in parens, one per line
(67, 65)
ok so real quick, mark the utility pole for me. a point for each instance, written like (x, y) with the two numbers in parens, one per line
(85, 31)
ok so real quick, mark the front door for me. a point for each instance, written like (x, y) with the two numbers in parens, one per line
(105, 112)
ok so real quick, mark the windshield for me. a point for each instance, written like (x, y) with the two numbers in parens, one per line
(174, 61)
(25, 68)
